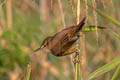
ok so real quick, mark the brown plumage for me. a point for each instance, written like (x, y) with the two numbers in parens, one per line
(62, 43)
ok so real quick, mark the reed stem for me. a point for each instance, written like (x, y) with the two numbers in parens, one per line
(77, 57)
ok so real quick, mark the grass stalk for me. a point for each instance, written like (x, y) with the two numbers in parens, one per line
(116, 74)
(62, 14)
(9, 13)
(76, 68)
(27, 77)
(77, 57)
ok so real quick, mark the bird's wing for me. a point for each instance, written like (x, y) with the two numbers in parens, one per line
(58, 44)
(65, 38)
(69, 44)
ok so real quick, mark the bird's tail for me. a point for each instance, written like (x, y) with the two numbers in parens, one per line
(80, 25)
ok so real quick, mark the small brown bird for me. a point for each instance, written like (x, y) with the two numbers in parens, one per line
(63, 42)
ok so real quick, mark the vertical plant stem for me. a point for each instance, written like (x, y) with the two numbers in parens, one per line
(44, 11)
(1, 19)
(95, 18)
(62, 14)
(83, 51)
(72, 7)
(27, 77)
(83, 56)
(9, 13)
(77, 57)
(86, 10)
(76, 68)
(51, 4)
(103, 2)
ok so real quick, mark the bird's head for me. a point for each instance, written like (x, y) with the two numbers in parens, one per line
(46, 42)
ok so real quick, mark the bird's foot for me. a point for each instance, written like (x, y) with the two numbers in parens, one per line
(75, 61)
(77, 51)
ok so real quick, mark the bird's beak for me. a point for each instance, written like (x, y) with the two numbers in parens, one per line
(37, 49)
(40, 48)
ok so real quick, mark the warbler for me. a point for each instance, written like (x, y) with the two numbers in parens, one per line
(63, 42)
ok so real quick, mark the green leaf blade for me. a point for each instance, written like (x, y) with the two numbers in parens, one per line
(92, 28)
(104, 69)
(116, 74)
(108, 17)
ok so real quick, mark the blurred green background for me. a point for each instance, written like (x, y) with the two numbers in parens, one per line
(25, 23)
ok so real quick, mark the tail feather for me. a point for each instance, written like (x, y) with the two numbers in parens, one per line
(80, 25)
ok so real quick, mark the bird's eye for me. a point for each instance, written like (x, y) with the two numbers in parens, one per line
(44, 44)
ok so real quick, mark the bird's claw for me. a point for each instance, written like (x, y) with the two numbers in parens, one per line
(75, 61)
(77, 51)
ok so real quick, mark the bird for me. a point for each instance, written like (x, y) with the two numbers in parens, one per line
(63, 42)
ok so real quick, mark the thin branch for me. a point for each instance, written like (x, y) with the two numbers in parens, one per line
(62, 14)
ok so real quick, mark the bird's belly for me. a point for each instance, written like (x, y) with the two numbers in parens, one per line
(67, 52)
